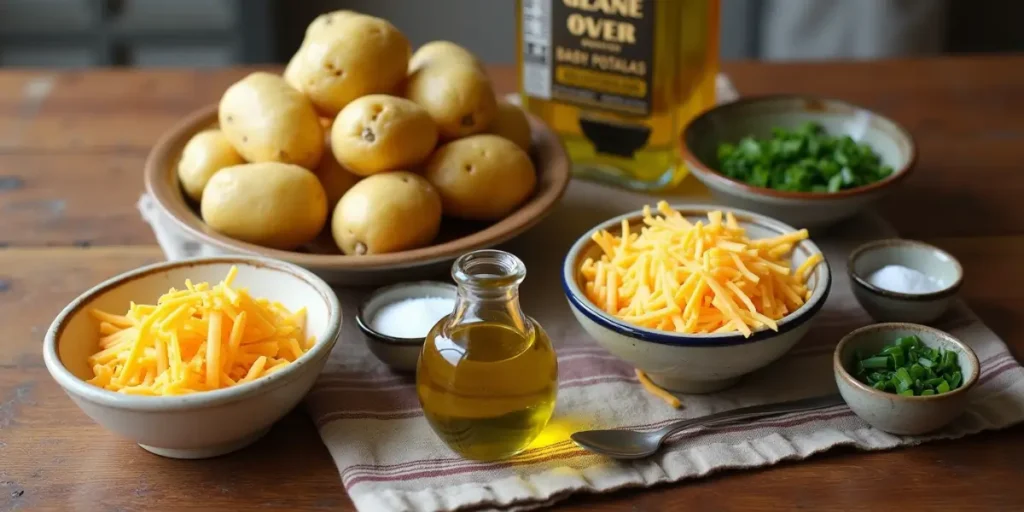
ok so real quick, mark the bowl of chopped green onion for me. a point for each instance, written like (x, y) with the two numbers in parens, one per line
(805, 161)
(905, 379)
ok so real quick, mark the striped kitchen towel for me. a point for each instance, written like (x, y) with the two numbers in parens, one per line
(390, 460)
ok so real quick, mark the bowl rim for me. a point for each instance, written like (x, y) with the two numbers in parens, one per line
(862, 282)
(172, 204)
(841, 371)
(364, 323)
(705, 172)
(788, 323)
(81, 389)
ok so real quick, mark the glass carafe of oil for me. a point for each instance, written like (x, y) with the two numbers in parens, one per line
(618, 80)
(487, 375)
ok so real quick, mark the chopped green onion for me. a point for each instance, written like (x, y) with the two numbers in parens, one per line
(897, 359)
(917, 372)
(904, 376)
(879, 362)
(909, 368)
(806, 159)
(950, 359)
(908, 342)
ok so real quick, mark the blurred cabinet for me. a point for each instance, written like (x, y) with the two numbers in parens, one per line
(76, 33)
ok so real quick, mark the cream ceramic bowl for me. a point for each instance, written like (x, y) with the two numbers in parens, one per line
(889, 306)
(697, 363)
(757, 116)
(203, 424)
(904, 415)
(400, 354)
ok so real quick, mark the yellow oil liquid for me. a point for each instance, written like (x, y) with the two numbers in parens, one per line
(486, 388)
(642, 151)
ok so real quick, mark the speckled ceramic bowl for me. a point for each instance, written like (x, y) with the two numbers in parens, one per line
(889, 306)
(757, 116)
(400, 354)
(904, 415)
(203, 424)
(697, 363)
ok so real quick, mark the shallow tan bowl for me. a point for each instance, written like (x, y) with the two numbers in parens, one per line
(757, 116)
(322, 256)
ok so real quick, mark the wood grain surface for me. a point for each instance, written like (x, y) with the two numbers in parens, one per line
(72, 145)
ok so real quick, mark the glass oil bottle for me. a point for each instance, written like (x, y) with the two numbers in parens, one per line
(487, 375)
(618, 80)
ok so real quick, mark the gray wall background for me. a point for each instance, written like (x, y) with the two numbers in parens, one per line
(82, 33)
(488, 28)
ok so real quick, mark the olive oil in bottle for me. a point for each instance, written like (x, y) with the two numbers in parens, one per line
(618, 80)
(487, 375)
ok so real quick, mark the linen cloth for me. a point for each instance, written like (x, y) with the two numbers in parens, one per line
(389, 460)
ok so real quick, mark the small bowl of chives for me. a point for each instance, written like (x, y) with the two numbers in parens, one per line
(904, 379)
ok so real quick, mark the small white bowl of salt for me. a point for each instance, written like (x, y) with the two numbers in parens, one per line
(904, 280)
(395, 319)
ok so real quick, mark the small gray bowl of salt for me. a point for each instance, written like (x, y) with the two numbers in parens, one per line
(395, 319)
(900, 280)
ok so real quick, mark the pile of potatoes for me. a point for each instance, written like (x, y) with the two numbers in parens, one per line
(383, 142)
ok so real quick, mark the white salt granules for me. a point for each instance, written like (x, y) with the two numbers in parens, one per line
(411, 318)
(900, 279)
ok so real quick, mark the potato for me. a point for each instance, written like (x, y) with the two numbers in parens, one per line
(326, 23)
(204, 154)
(442, 51)
(266, 120)
(378, 133)
(387, 212)
(271, 204)
(459, 97)
(483, 177)
(291, 72)
(511, 123)
(360, 55)
(334, 177)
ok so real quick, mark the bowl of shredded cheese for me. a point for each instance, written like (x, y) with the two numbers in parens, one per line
(695, 296)
(195, 358)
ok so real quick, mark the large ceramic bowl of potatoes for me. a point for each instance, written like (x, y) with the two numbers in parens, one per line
(364, 161)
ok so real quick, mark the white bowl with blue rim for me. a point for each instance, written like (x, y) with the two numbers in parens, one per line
(695, 363)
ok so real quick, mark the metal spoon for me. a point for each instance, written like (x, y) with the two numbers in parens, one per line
(631, 444)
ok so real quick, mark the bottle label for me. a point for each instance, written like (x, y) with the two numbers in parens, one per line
(590, 53)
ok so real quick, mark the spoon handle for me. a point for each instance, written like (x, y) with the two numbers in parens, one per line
(756, 411)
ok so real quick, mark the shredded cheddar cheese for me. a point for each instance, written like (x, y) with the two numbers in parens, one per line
(197, 339)
(696, 277)
(657, 391)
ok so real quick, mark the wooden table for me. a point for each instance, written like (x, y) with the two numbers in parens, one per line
(72, 146)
